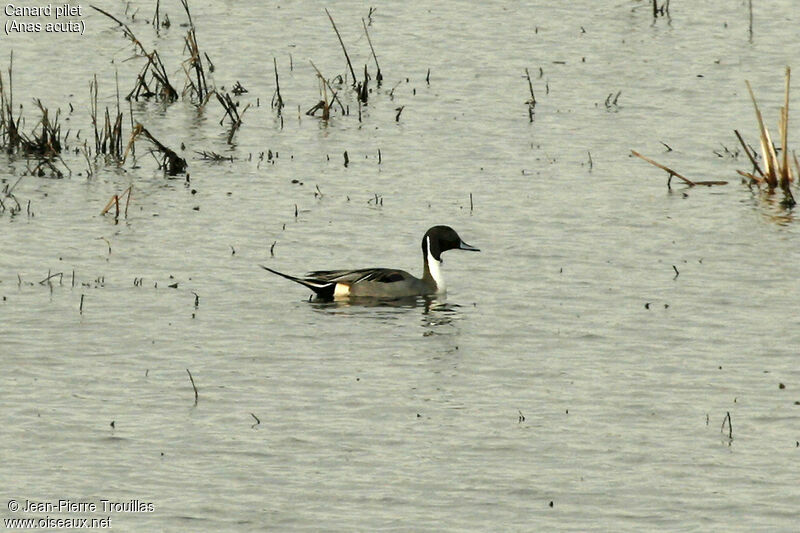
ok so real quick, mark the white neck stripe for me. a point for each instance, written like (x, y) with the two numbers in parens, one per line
(435, 268)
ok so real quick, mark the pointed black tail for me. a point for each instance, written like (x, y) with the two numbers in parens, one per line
(323, 289)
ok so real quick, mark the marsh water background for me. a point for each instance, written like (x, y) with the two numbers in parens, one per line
(568, 381)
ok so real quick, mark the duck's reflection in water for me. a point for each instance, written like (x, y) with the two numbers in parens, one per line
(436, 311)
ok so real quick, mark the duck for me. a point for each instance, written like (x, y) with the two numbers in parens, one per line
(389, 283)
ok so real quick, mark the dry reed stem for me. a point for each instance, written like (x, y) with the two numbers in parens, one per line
(48, 142)
(232, 112)
(171, 162)
(163, 89)
(277, 101)
(110, 140)
(115, 200)
(196, 396)
(752, 177)
(784, 129)
(195, 62)
(689, 182)
(777, 172)
(532, 102)
(749, 153)
(125, 29)
(45, 141)
(671, 172)
(325, 84)
(767, 148)
(346, 56)
(154, 65)
(378, 76)
(213, 156)
(362, 90)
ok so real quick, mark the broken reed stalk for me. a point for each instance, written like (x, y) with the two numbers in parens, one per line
(9, 194)
(125, 29)
(277, 101)
(171, 162)
(47, 163)
(199, 85)
(672, 173)
(767, 148)
(727, 420)
(532, 102)
(9, 128)
(157, 86)
(362, 90)
(157, 22)
(10, 138)
(107, 140)
(45, 140)
(378, 76)
(238, 89)
(662, 10)
(213, 156)
(784, 129)
(50, 276)
(750, 155)
(346, 56)
(159, 79)
(231, 111)
(777, 171)
(196, 396)
(115, 200)
(324, 104)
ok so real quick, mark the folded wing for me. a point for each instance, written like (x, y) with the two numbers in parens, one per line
(351, 277)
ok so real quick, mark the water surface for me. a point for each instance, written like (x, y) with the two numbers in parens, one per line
(568, 381)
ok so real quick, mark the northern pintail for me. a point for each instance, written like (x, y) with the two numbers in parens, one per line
(387, 282)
